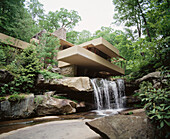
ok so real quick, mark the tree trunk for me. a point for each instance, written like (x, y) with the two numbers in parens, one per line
(145, 22)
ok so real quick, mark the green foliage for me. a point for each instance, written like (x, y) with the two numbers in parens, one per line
(47, 49)
(151, 22)
(25, 67)
(2, 57)
(50, 75)
(35, 9)
(72, 37)
(62, 18)
(129, 113)
(16, 98)
(84, 36)
(2, 99)
(38, 100)
(60, 97)
(7, 54)
(16, 21)
(158, 18)
(157, 106)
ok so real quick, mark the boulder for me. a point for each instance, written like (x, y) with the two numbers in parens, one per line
(65, 84)
(47, 105)
(123, 127)
(13, 110)
(149, 77)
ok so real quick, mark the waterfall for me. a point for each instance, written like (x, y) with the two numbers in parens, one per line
(108, 94)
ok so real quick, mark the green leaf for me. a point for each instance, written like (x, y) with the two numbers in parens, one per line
(161, 124)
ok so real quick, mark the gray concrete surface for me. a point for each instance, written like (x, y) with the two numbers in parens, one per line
(67, 129)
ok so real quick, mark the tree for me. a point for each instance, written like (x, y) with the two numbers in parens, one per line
(15, 20)
(158, 18)
(84, 36)
(132, 13)
(62, 18)
(35, 8)
(72, 36)
(47, 49)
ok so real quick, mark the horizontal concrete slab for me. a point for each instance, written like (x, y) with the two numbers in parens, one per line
(65, 43)
(102, 45)
(13, 41)
(79, 56)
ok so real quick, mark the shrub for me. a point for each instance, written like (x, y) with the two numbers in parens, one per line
(50, 75)
(16, 98)
(25, 67)
(7, 54)
(157, 107)
(2, 99)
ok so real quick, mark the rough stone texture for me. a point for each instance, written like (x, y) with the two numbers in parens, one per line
(49, 105)
(56, 70)
(131, 100)
(68, 71)
(65, 84)
(36, 106)
(5, 76)
(150, 76)
(60, 33)
(14, 110)
(130, 87)
(123, 127)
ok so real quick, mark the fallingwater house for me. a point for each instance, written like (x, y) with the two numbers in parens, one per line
(95, 58)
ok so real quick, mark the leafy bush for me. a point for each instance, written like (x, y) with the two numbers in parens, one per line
(50, 75)
(16, 98)
(157, 106)
(25, 67)
(7, 54)
(2, 99)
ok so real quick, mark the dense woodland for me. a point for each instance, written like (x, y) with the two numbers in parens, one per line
(144, 43)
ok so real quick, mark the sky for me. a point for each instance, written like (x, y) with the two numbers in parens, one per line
(94, 13)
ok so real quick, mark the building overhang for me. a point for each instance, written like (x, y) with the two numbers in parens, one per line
(13, 41)
(82, 57)
(65, 43)
(102, 45)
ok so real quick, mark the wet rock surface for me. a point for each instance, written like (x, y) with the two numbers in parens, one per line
(123, 126)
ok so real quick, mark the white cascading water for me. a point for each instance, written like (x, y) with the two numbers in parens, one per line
(108, 95)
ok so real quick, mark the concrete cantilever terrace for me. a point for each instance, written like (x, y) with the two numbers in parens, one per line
(93, 55)
(102, 45)
(81, 56)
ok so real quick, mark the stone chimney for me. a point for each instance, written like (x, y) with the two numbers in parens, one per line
(60, 33)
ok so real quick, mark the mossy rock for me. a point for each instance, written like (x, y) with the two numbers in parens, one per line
(16, 98)
(2, 99)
